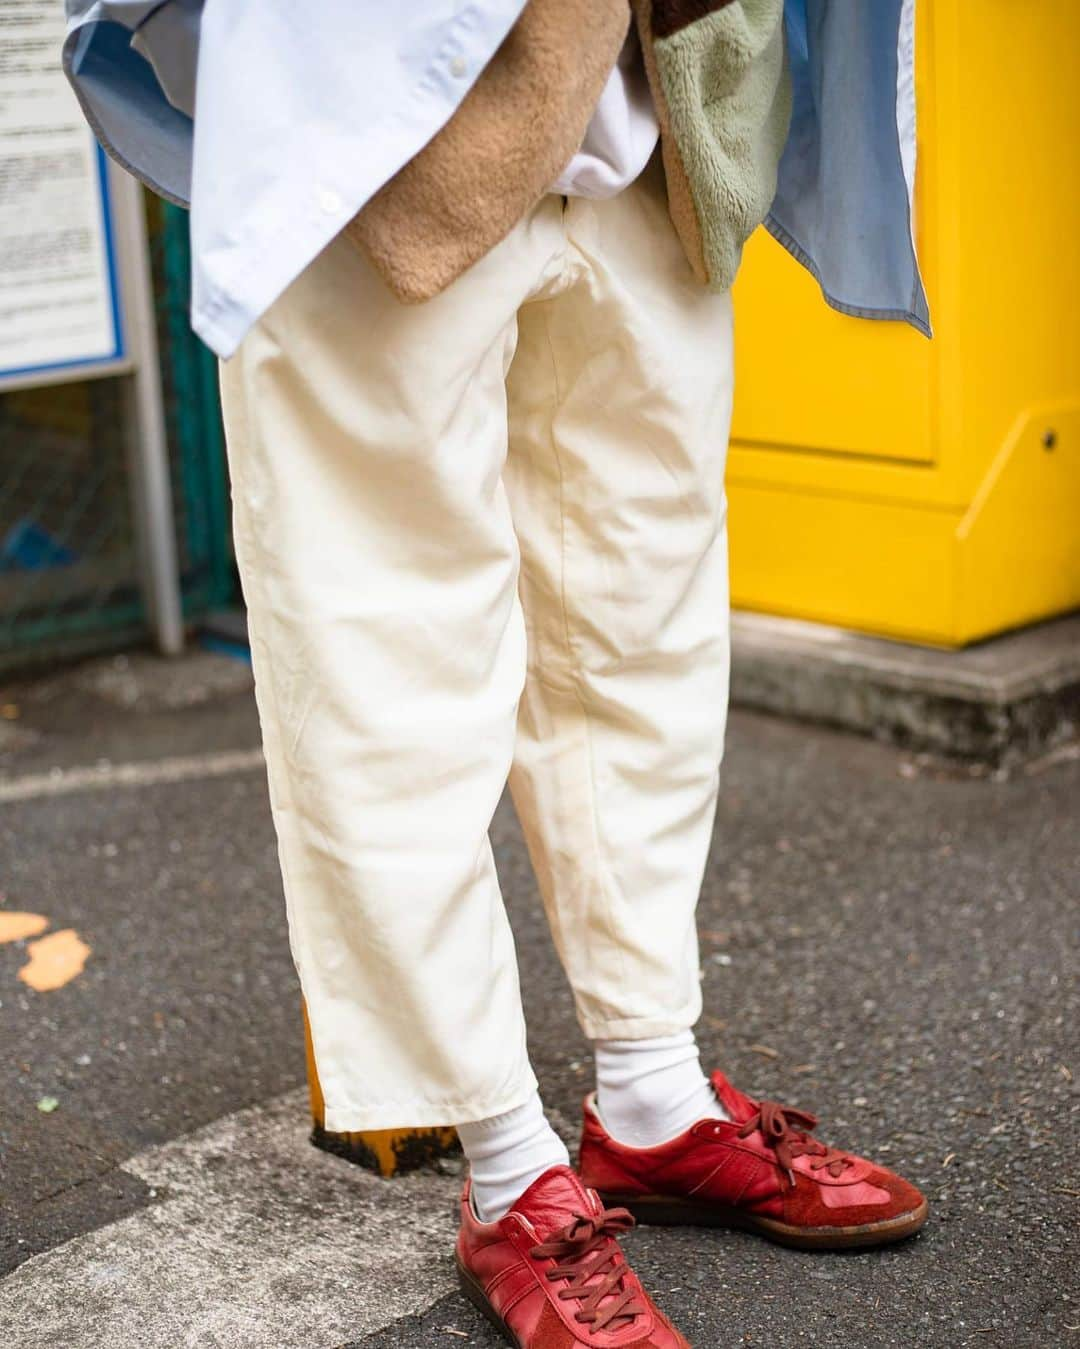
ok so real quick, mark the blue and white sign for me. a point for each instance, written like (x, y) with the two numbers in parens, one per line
(60, 308)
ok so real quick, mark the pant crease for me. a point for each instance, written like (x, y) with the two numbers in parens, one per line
(574, 671)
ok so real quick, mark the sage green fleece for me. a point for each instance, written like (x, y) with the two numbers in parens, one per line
(728, 94)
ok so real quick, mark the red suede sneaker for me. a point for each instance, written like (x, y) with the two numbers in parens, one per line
(764, 1173)
(551, 1275)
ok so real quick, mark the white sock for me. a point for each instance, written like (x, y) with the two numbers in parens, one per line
(507, 1153)
(649, 1091)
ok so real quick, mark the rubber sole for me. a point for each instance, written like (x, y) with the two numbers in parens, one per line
(670, 1211)
(473, 1290)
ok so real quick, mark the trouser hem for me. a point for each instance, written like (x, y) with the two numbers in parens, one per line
(347, 1119)
(639, 1028)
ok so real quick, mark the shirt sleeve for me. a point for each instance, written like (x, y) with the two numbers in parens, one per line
(132, 66)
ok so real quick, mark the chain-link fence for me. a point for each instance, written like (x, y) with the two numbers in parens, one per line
(67, 539)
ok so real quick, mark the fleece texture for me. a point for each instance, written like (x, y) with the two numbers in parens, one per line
(719, 78)
(514, 133)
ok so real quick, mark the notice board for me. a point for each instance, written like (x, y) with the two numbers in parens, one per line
(60, 308)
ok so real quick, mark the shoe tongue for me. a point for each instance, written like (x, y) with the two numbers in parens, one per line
(738, 1106)
(555, 1199)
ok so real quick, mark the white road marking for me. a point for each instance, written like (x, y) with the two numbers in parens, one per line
(98, 777)
(254, 1240)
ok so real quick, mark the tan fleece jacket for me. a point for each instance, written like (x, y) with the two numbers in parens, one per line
(716, 70)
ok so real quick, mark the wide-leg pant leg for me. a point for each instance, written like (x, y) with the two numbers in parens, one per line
(379, 564)
(620, 402)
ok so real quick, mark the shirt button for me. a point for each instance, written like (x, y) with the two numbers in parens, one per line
(459, 67)
(329, 201)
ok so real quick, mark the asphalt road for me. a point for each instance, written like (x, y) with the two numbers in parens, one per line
(890, 947)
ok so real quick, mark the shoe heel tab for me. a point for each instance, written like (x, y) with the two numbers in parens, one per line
(466, 1201)
(593, 1133)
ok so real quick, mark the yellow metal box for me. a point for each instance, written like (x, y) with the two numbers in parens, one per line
(930, 491)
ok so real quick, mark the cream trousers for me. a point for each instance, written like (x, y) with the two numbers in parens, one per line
(484, 538)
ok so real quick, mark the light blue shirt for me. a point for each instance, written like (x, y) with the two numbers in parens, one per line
(306, 110)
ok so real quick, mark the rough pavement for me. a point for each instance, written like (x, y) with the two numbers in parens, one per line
(890, 947)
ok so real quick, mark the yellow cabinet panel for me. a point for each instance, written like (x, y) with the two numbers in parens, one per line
(931, 490)
(832, 384)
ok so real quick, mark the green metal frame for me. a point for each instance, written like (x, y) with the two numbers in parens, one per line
(196, 429)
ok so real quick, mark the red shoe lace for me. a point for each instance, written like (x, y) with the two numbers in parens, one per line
(593, 1265)
(788, 1132)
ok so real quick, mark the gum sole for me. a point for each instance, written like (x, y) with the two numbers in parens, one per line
(659, 1211)
(476, 1295)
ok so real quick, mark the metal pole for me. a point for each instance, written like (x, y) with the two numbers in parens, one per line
(159, 571)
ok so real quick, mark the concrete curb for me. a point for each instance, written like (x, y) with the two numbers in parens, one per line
(997, 704)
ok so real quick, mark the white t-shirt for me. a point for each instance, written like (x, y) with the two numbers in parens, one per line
(621, 136)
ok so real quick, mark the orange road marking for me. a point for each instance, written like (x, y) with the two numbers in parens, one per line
(54, 960)
(16, 926)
